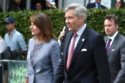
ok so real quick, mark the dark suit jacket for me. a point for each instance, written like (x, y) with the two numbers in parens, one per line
(89, 63)
(116, 58)
(93, 5)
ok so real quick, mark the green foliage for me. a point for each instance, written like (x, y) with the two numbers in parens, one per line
(95, 20)
(23, 21)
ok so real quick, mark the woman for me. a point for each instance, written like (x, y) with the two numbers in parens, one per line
(119, 4)
(43, 52)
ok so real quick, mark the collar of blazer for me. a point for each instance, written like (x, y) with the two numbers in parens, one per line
(114, 40)
(81, 41)
(114, 44)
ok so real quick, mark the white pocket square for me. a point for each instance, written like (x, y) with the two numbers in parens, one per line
(113, 49)
(84, 50)
(38, 70)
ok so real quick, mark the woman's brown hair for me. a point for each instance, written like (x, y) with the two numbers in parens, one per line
(43, 22)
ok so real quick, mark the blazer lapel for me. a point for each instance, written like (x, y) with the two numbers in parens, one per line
(113, 44)
(66, 47)
(30, 51)
(115, 41)
(80, 43)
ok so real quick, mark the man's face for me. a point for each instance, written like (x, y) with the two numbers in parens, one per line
(38, 6)
(72, 21)
(10, 27)
(98, 1)
(110, 27)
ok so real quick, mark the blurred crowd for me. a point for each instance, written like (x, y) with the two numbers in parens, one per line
(15, 5)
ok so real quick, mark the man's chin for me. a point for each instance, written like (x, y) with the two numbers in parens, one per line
(109, 34)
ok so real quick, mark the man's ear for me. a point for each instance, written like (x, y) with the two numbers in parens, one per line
(117, 26)
(81, 19)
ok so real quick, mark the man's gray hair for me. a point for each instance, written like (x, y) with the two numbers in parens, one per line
(79, 10)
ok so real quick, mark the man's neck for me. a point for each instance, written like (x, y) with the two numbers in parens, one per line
(10, 31)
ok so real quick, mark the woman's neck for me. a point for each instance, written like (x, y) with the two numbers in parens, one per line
(39, 39)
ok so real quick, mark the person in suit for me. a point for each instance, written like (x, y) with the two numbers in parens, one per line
(43, 52)
(84, 58)
(115, 49)
(96, 4)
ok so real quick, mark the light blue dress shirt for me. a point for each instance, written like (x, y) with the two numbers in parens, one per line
(15, 41)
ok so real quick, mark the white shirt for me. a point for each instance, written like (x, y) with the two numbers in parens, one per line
(79, 33)
(2, 45)
(113, 37)
(50, 1)
(96, 5)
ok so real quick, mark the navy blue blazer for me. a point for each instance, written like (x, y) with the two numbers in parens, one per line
(89, 63)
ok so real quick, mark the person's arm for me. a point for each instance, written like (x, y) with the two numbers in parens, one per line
(61, 35)
(120, 78)
(22, 43)
(101, 61)
(56, 60)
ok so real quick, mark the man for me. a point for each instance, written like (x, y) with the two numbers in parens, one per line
(84, 59)
(14, 39)
(97, 4)
(115, 49)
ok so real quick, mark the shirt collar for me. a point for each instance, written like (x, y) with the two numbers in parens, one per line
(113, 36)
(11, 33)
(81, 30)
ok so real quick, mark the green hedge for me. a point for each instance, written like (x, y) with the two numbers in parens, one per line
(95, 20)
(23, 22)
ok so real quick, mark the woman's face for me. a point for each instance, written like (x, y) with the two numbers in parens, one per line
(35, 31)
(118, 3)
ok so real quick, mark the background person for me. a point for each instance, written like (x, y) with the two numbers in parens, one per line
(97, 4)
(119, 4)
(115, 44)
(14, 39)
(16, 5)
